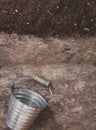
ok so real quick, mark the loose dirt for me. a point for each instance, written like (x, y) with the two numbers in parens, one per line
(48, 17)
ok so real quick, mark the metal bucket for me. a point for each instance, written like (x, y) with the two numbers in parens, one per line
(25, 105)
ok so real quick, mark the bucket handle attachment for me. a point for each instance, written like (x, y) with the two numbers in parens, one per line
(39, 80)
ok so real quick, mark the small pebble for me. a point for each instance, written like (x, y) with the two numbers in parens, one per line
(27, 23)
(86, 29)
(75, 24)
(57, 7)
(89, 4)
(16, 10)
(92, 20)
(77, 109)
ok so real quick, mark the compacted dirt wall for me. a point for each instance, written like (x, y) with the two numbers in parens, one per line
(53, 17)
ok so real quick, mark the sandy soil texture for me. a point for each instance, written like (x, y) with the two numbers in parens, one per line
(71, 66)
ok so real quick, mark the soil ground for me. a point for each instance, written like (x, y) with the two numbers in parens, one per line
(71, 66)
(48, 17)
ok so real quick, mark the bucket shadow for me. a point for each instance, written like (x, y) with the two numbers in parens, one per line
(46, 119)
(5, 129)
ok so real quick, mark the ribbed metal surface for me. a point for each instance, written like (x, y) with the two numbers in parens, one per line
(24, 107)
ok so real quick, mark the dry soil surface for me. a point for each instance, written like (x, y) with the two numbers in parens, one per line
(71, 66)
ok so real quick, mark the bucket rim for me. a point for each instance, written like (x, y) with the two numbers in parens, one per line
(40, 96)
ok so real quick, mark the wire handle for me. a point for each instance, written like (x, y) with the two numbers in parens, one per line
(39, 80)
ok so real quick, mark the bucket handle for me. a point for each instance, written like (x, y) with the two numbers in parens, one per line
(39, 80)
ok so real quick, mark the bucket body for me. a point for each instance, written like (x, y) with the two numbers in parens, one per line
(24, 107)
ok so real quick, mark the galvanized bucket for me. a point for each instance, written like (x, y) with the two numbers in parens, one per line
(25, 105)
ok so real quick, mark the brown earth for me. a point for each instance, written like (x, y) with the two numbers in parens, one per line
(71, 66)
(48, 17)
